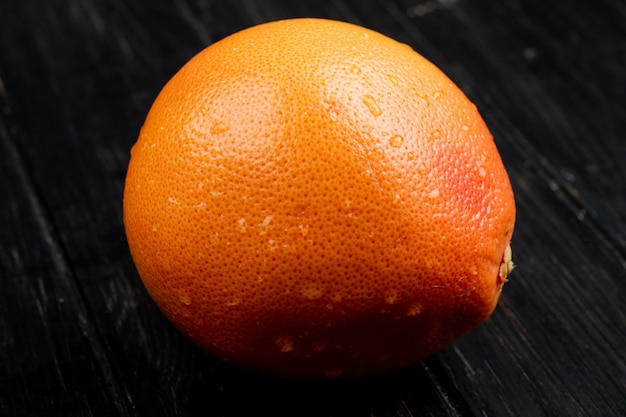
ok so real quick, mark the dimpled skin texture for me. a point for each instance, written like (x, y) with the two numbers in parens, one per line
(312, 199)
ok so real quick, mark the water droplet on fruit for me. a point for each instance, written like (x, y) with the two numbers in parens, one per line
(377, 155)
(218, 127)
(482, 172)
(304, 229)
(435, 134)
(284, 343)
(266, 221)
(434, 193)
(391, 296)
(241, 225)
(393, 79)
(396, 141)
(465, 128)
(184, 298)
(355, 70)
(372, 105)
(410, 156)
(414, 310)
(312, 293)
(233, 302)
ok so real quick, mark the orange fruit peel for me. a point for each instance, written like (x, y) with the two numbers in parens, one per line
(312, 199)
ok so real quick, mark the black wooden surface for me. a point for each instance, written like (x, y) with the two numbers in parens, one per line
(79, 335)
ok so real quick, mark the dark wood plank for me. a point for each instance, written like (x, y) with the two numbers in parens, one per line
(79, 78)
(51, 357)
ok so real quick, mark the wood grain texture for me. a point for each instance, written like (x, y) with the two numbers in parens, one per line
(79, 335)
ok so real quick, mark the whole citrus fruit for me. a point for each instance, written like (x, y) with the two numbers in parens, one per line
(313, 199)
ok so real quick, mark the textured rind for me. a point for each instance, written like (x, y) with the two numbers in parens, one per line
(334, 210)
